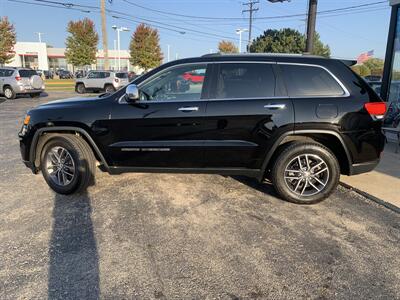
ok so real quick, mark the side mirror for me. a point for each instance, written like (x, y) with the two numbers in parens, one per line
(131, 93)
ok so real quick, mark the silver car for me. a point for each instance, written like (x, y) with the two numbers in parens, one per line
(18, 81)
(107, 81)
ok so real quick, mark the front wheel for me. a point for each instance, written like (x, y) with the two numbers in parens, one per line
(109, 89)
(67, 164)
(305, 173)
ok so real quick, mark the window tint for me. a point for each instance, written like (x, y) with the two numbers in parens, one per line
(6, 72)
(310, 81)
(105, 74)
(121, 75)
(245, 80)
(176, 84)
(26, 73)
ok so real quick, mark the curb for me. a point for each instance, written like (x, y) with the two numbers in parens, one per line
(372, 198)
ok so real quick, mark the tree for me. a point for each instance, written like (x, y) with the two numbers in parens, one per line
(375, 65)
(361, 70)
(227, 47)
(145, 47)
(8, 39)
(82, 42)
(287, 40)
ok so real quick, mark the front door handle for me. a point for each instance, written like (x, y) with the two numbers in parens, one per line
(187, 108)
(275, 106)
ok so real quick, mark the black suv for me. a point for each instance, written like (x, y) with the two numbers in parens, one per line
(299, 121)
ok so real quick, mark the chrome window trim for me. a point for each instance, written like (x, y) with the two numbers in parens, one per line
(345, 94)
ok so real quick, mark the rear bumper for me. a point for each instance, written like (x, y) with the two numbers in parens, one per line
(24, 90)
(363, 167)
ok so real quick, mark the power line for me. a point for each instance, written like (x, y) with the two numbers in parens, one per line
(258, 18)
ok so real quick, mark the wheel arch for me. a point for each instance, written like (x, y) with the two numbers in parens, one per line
(43, 135)
(330, 139)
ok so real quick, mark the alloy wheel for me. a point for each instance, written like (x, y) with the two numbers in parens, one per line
(8, 93)
(306, 175)
(60, 166)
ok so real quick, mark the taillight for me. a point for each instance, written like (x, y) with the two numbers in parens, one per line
(376, 109)
(116, 80)
(17, 78)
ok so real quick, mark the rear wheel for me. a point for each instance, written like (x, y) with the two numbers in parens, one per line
(68, 164)
(9, 93)
(109, 88)
(305, 173)
(80, 88)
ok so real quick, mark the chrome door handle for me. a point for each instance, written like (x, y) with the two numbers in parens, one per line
(186, 109)
(275, 106)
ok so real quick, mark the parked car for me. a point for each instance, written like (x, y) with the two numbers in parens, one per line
(194, 77)
(376, 86)
(19, 81)
(64, 74)
(81, 73)
(48, 74)
(299, 121)
(132, 76)
(96, 81)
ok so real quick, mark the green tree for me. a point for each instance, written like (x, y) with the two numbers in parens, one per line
(361, 70)
(375, 65)
(81, 43)
(287, 40)
(145, 47)
(8, 38)
(227, 47)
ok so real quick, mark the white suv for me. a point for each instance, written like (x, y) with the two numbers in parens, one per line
(17, 81)
(107, 81)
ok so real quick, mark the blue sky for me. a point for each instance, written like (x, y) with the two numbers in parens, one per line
(348, 34)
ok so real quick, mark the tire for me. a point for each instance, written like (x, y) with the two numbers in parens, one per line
(80, 88)
(78, 161)
(9, 93)
(314, 182)
(109, 88)
(34, 95)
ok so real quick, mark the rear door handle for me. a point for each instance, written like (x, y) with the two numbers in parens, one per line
(187, 108)
(275, 106)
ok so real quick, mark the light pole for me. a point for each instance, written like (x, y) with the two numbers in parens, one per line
(168, 50)
(239, 32)
(119, 42)
(115, 57)
(39, 36)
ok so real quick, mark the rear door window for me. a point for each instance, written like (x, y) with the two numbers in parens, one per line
(305, 81)
(245, 80)
(26, 73)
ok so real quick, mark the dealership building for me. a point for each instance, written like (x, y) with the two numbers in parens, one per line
(40, 56)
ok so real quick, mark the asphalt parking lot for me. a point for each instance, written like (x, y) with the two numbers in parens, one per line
(170, 236)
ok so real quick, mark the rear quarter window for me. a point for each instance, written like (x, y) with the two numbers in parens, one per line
(121, 75)
(305, 81)
(6, 73)
(26, 73)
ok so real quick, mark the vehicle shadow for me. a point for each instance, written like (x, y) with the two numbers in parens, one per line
(73, 254)
(263, 187)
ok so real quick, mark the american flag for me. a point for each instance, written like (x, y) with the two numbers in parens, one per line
(363, 57)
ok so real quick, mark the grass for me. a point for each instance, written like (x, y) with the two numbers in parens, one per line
(60, 84)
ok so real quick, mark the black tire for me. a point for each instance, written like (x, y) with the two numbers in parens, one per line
(80, 88)
(289, 187)
(84, 162)
(9, 93)
(34, 95)
(109, 88)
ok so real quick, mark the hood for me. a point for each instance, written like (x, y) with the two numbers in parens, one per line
(71, 101)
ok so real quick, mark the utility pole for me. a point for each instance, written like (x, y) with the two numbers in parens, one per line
(104, 33)
(312, 16)
(39, 36)
(251, 9)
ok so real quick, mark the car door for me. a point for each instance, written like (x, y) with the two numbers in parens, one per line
(165, 129)
(247, 111)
